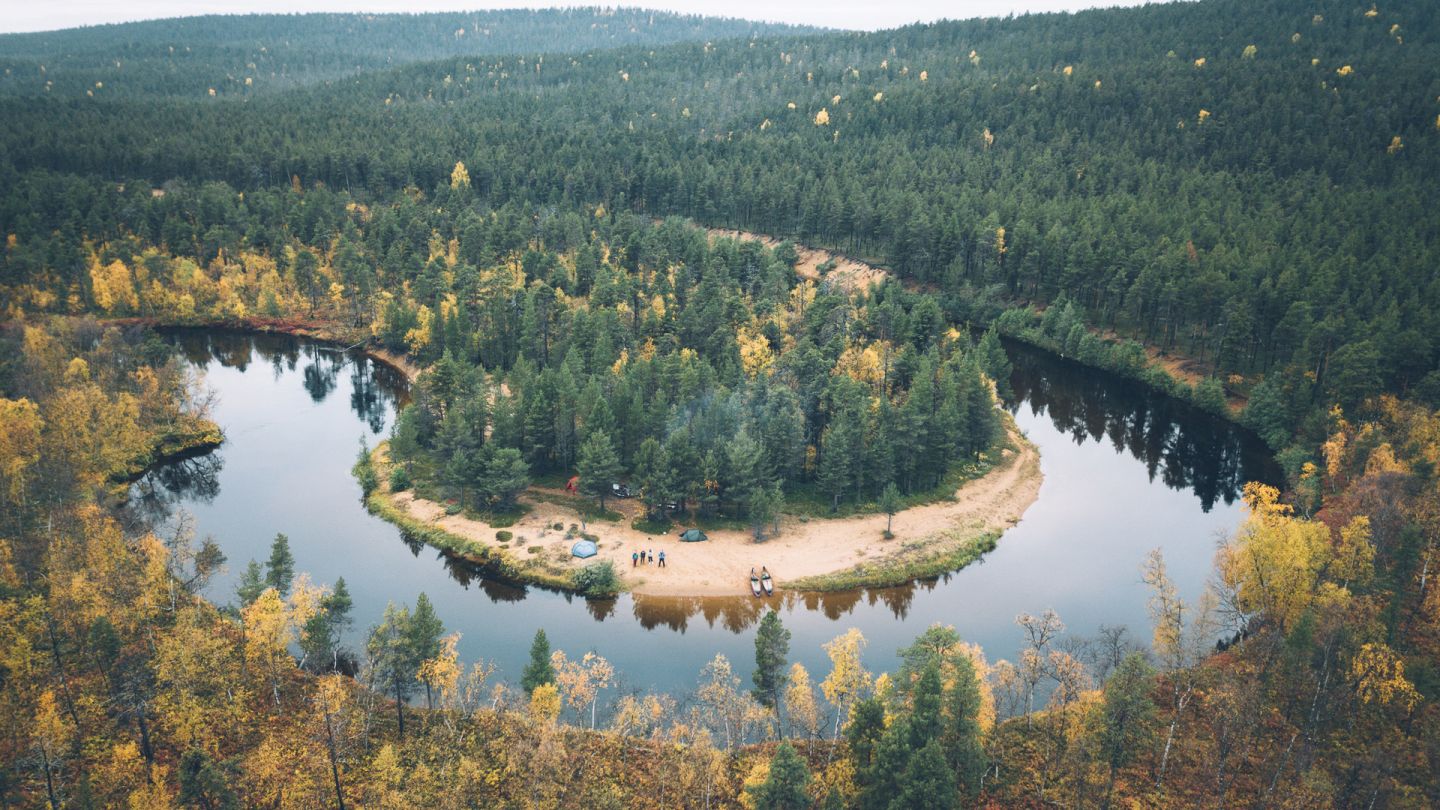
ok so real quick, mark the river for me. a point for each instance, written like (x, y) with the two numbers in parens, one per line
(1126, 470)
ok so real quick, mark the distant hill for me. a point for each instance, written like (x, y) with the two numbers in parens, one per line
(265, 52)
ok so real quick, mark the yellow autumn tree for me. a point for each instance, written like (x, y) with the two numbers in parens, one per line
(113, 287)
(848, 679)
(822, 118)
(1379, 675)
(417, 338)
(865, 363)
(1273, 564)
(459, 176)
(442, 672)
(756, 356)
(20, 431)
(545, 703)
(801, 709)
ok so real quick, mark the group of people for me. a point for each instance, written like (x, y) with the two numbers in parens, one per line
(645, 557)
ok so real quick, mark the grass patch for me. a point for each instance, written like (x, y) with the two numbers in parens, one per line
(499, 519)
(648, 526)
(590, 509)
(900, 569)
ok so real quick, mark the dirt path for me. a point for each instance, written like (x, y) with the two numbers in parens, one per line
(721, 565)
(849, 274)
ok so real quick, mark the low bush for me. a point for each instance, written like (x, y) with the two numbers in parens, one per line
(597, 579)
(400, 479)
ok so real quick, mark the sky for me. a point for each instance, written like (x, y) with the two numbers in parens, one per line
(21, 15)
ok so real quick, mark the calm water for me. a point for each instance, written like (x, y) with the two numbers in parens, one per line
(1126, 471)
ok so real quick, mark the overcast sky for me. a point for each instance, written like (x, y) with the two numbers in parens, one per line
(44, 15)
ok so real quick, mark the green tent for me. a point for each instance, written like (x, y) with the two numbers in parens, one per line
(693, 536)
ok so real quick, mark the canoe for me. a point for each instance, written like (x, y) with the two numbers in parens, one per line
(767, 583)
(754, 583)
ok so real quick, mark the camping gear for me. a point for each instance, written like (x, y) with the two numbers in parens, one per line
(693, 536)
(754, 583)
(767, 583)
(584, 549)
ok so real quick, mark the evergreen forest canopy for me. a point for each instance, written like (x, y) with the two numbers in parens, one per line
(261, 53)
(1248, 185)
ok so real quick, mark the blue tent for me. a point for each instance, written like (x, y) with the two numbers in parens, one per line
(584, 548)
(693, 536)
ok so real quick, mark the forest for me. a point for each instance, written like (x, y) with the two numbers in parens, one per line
(517, 203)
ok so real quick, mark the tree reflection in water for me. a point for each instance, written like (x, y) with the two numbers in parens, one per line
(1182, 445)
(155, 496)
(376, 389)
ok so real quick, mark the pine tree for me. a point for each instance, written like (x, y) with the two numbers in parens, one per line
(1125, 717)
(251, 584)
(862, 739)
(424, 631)
(994, 361)
(320, 635)
(890, 503)
(928, 783)
(772, 648)
(787, 786)
(539, 670)
(504, 477)
(280, 571)
(393, 663)
(960, 735)
(653, 475)
(598, 466)
(837, 448)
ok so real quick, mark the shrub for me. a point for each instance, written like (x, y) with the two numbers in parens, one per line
(364, 472)
(597, 579)
(504, 536)
(399, 479)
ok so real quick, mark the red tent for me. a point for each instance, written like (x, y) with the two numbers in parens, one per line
(573, 484)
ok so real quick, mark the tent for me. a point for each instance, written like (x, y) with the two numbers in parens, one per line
(693, 536)
(583, 549)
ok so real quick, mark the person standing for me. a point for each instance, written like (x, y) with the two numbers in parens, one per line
(634, 558)
(662, 558)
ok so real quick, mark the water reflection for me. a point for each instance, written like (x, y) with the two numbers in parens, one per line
(739, 613)
(1182, 446)
(376, 390)
(156, 494)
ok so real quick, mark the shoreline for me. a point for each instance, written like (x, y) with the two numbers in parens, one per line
(809, 555)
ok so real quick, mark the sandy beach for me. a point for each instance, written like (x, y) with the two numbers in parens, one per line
(721, 565)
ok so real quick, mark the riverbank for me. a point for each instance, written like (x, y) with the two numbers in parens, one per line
(190, 437)
(320, 331)
(808, 554)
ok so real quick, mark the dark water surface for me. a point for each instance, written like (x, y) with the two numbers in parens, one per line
(1126, 470)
